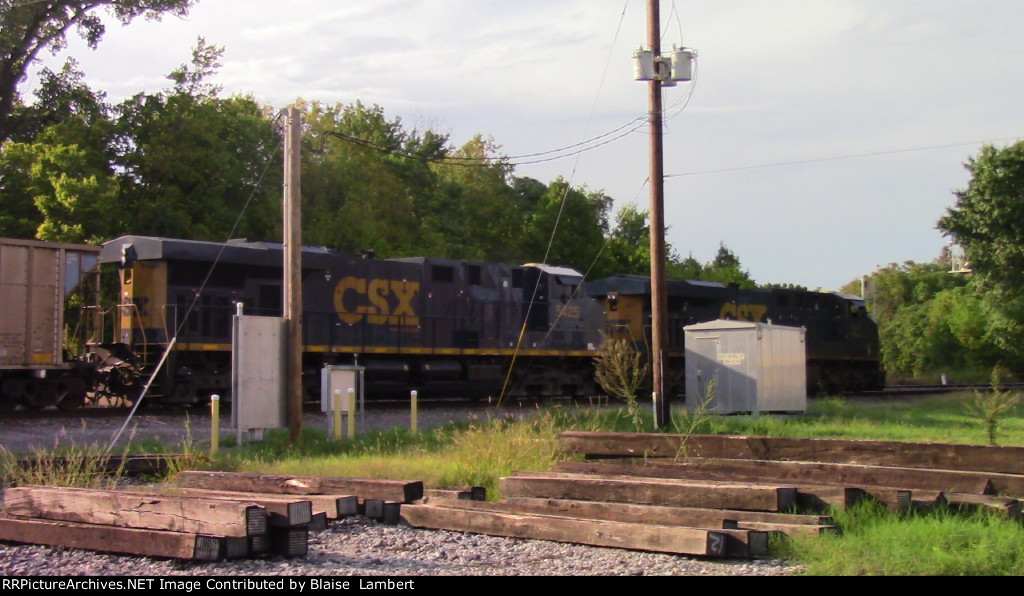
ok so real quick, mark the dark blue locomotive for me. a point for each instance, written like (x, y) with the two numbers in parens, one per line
(445, 328)
(842, 347)
(442, 327)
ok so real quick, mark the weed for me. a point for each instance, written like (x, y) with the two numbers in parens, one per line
(991, 406)
(695, 418)
(622, 370)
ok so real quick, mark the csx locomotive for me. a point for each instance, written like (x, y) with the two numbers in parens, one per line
(442, 327)
(842, 349)
(446, 328)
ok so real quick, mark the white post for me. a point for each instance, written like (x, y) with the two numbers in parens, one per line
(414, 412)
(214, 424)
(351, 412)
(336, 409)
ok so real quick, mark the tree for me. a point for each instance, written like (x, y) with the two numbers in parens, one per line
(688, 268)
(988, 218)
(368, 181)
(190, 162)
(19, 217)
(628, 247)
(988, 222)
(568, 226)
(181, 163)
(57, 180)
(930, 321)
(475, 204)
(726, 268)
(26, 28)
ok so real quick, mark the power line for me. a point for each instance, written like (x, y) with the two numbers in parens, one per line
(838, 157)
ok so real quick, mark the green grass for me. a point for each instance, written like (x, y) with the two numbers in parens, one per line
(874, 541)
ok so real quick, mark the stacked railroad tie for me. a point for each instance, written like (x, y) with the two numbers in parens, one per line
(699, 495)
(203, 516)
(824, 472)
(725, 496)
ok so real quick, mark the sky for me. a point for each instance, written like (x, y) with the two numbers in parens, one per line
(818, 140)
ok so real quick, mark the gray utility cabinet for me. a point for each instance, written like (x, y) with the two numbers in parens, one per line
(742, 367)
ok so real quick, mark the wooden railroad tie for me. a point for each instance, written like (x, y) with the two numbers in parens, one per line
(215, 517)
(650, 491)
(113, 539)
(487, 518)
(243, 526)
(399, 491)
(941, 456)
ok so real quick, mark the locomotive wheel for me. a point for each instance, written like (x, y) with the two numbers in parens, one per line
(183, 393)
(35, 395)
(74, 394)
(10, 393)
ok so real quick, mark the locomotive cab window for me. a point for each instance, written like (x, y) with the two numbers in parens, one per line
(473, 275)
(442, 273)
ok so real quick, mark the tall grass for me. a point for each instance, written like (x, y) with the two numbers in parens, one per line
(455, 455)
(878, 542)
(92, 465)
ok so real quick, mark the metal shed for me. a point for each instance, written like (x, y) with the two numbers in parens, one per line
(743, 367)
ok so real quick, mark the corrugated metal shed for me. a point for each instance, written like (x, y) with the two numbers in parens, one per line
(743, 367)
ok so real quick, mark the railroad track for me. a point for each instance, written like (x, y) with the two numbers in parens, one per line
(120, 411)
(105, 411)
(905, 390)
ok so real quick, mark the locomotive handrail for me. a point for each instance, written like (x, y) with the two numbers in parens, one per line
(134, 310)
(90, 331)
(163, 318)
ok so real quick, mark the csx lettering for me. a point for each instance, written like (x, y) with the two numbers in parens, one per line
(357, 298)
(755, 313)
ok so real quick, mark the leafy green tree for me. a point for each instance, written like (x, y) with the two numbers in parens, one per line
(27, 28)
(931, 321)
(527, 192)
(366, 178)
(688, 268)
(59, 184)
(726, 268)
(988, 218)
(628, 248)
(988, 222)
(568, 226)
(78, 203)
(19, 217)
(191, 162)
(475, 205)
(179, 163)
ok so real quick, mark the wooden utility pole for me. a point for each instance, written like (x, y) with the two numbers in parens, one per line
(293, 270)
(659, 300)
